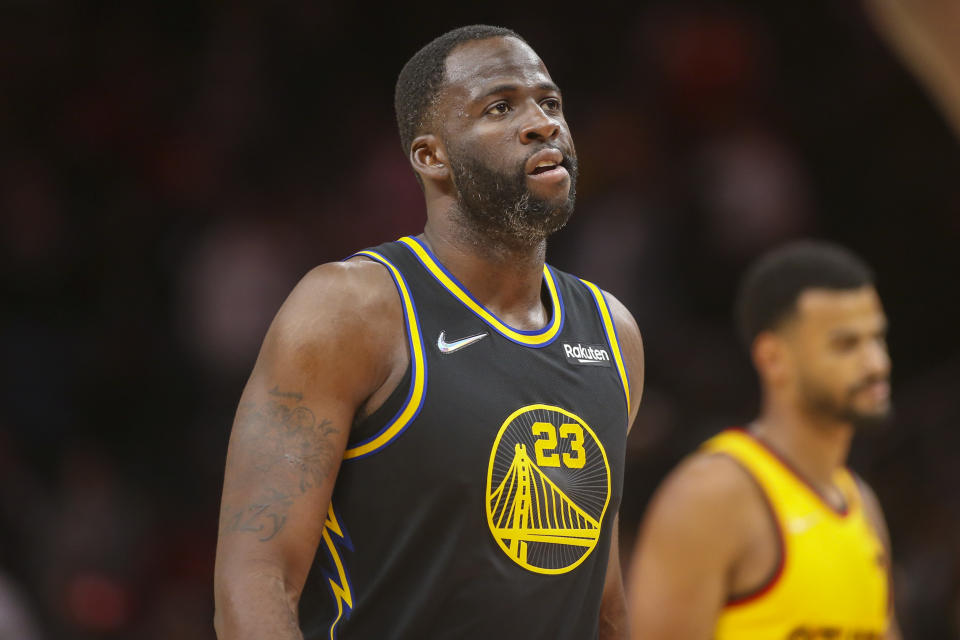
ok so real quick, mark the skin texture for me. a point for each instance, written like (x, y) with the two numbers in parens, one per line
(289, 436)
(708, 535)
(613, 607)
(498, 198)
(305, 391)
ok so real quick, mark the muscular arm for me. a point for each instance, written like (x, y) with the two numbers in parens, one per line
(322, 357)
(613, 607)
(690, 539)
(874, 513)
(631, 346)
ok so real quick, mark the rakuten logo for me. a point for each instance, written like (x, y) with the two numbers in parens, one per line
(590, 354)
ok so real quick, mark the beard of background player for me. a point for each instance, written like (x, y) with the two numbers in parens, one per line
(820, 402)
(499, 206)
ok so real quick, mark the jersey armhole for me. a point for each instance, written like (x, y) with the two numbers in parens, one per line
(370, 425)
(417, 371)
(610, 329)
(767, 585)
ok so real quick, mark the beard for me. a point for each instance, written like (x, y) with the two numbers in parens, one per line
(819, 402)
(498, 206)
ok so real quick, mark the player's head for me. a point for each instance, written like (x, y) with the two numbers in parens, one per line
(477, 113)
(812, 319)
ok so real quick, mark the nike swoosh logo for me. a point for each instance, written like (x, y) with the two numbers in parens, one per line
(450, 347)
(802, 524)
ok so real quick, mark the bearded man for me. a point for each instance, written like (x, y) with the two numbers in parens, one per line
(764, 533)
(431, 443)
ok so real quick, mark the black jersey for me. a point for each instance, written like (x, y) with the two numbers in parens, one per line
(479, 501)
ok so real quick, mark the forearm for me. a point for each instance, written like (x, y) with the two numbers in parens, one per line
(259, 607)
(613, 605)
(613, 617)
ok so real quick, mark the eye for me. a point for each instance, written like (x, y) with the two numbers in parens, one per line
(498, 109)
(551, 104)
(845, 343)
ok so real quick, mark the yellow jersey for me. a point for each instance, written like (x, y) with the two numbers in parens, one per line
(832, 579)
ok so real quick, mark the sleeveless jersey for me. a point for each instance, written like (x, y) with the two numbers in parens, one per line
(479, 501)
(832, 579)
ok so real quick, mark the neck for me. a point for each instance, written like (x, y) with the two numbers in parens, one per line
(817, 447)
(504, 277)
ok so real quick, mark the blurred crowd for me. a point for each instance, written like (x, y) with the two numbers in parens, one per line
(167, 173)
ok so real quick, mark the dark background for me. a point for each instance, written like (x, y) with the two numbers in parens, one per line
(168, 172)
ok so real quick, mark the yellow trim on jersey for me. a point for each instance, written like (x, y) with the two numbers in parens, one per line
(611, 330)
(341, 591)
(832, 580)
(539, 338)
(418, 383)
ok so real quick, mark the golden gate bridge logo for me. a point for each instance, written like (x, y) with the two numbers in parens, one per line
(548, 486)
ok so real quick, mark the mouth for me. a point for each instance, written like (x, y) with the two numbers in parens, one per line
(877, 391)
(547, 166)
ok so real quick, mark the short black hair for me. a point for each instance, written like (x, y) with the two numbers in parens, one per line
(770, 288)
(422, 77)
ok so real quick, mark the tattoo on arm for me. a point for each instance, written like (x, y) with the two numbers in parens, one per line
(285, 444)
(296, 395)
(266, 519)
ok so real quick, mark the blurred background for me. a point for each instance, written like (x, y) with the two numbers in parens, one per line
(167, 173)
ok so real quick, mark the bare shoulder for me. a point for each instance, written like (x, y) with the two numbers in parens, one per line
(710, 500)
(709, 483)
(627, 329)
(692, 540)
(695, 533)
(354, 287)
(338, 301)
(341, 327)
(631, 344)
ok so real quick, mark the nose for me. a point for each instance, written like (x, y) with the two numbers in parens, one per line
(878, 359)
(538, 126)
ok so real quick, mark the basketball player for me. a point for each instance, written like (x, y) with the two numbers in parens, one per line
(431, 442)
(764, 533)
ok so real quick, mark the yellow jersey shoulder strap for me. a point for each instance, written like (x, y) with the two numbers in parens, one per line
(788, 492)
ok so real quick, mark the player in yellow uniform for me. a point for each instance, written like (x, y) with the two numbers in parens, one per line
(764, 534)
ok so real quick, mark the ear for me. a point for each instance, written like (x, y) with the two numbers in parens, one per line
(429, 158)
(771, 358)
